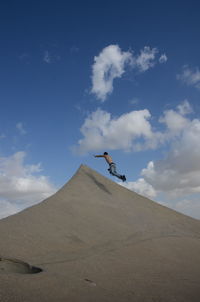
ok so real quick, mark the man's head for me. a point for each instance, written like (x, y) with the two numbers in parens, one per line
(105, 153)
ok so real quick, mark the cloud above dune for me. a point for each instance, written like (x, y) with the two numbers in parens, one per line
(175, 178)
(141, 187)
(100, 130)
(178, 173)
(131, 131)
(20, 184)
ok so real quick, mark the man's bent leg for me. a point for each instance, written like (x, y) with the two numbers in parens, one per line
(114, 172)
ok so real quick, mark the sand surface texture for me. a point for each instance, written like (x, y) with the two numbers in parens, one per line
(96, 241)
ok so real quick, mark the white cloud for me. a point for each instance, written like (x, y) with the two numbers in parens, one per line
(175, 178)
(19, 187)
(112, 62)
(131, 131)
(101, 131)
(163, 59)
(141, 187)
(189, 207)
(7, 208)
(174, 121)
(108, 66)
(190, 77)
(146, 59)
(20, 128)
(179, 173)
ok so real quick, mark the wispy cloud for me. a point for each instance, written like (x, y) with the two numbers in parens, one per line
(74, 49)
(20, 128)
(47, 57)
(50, 57)
(163, 59)
(190, 77)
(146, 59)
(134, 101)
(25, 57)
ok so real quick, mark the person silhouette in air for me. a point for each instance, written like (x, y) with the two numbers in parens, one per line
(112, 165)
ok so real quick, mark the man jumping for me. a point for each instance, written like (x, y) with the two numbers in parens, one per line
(112, 166)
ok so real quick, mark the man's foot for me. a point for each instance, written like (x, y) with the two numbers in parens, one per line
(123, 178)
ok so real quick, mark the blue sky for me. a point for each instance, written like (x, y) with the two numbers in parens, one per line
(80, 78)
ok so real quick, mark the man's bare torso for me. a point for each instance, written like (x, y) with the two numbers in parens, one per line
(108, 158)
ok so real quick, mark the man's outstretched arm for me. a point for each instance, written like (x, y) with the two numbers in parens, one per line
(99, 156)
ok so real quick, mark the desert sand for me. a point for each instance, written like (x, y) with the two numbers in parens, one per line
(97, 241)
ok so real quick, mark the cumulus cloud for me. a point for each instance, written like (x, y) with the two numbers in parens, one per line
(189, 76)
(174, 121)
(131, 131)
(100, 130)
(141, 187)
(19, 186)
(175, 178)
(108, 66)
(112, 63)
(187, 206)
(172, 180)
(179, 172)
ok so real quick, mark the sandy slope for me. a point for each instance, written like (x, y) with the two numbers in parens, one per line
(97, 241)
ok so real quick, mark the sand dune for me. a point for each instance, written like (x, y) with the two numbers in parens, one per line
(95, 240)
